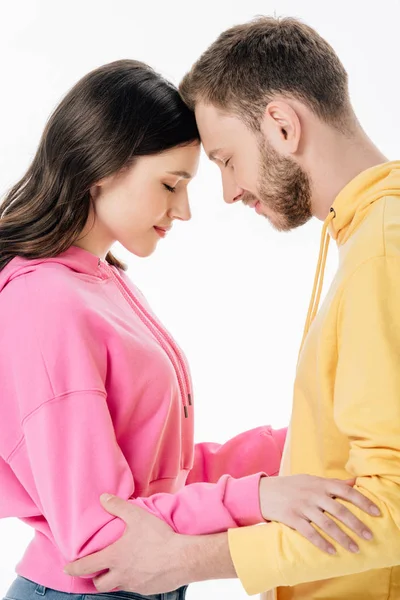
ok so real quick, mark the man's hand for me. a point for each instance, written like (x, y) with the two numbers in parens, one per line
(302, 500)
(146, 559)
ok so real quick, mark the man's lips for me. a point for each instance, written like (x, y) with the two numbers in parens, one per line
(256, 204)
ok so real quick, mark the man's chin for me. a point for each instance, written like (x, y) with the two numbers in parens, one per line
(282, 224)
(278, 222)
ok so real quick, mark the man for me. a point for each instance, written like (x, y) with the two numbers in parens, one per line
(272, 105)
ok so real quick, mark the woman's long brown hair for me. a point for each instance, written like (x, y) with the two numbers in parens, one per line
(114, 114)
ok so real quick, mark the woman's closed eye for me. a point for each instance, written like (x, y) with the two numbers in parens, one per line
(169, 188)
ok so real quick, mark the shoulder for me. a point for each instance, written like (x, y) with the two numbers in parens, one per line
(391, 226)
(372, 287)
(375, 239)
(46, 294)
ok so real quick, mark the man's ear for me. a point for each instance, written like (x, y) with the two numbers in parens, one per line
(281, 127)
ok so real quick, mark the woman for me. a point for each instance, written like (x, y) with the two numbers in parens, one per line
(96, 395)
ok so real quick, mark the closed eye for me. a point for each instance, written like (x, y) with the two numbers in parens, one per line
(226, 163)
(169, 188)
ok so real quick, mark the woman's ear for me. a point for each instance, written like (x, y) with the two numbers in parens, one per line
(97, 187)
(95, 191)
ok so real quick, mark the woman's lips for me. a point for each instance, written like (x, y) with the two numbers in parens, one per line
(162, 231)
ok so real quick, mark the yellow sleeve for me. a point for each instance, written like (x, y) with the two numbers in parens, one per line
(367, 411)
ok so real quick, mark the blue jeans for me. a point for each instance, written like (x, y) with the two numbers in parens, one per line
(24, 589)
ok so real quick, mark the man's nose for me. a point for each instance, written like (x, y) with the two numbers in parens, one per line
(232, 193)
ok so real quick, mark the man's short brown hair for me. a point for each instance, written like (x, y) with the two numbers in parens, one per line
(248, 64)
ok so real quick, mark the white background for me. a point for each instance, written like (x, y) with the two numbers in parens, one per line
(233, 292)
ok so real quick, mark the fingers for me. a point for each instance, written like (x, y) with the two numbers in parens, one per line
(125, 510)
(343, 514)
(328, 526)
(106, 582)
(341, 490)
(89, 564)
(115, 506)
(349, 481)
(307, 530)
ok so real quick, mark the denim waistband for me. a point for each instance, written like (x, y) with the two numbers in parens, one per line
(24, 589)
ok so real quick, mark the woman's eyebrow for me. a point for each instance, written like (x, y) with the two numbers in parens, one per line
(183, 174)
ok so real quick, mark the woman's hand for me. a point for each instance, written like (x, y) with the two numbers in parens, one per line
(302, 500)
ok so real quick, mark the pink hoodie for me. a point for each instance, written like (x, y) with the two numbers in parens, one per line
(96, 397)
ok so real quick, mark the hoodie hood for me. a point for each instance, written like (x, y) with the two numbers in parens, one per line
(349, 209)
(354, 201)
(76, 259)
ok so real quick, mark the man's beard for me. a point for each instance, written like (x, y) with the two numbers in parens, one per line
(284, 188)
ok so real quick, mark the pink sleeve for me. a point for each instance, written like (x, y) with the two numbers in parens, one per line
(202, 508)
(223, 484)
(74, 458)
(249, 452)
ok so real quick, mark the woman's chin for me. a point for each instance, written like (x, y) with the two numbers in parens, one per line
(142, 252)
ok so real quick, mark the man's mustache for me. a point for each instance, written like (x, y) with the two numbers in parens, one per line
(248, 198)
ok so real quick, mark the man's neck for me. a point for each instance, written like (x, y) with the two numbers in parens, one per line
(340, 160)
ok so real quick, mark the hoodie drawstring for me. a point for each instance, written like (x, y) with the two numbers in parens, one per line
(319, 276)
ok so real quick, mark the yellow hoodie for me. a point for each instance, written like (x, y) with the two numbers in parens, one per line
(346, 408)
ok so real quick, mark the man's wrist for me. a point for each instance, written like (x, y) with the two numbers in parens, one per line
(205, 557)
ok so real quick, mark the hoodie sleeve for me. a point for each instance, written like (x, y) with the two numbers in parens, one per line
(71, 446)
(367, 411)
(74, 457)
(249, 452)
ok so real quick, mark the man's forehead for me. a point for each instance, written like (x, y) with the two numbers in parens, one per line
(210, 112)
(216, 128)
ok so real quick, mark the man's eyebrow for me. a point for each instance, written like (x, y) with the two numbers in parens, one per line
(183, 174)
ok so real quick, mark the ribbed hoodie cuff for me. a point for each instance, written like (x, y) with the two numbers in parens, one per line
(242, 499)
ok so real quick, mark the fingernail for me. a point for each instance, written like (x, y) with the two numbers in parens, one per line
(367, 534)
(354, 548)
(375, 511)
(331, 550)
(106, 497)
